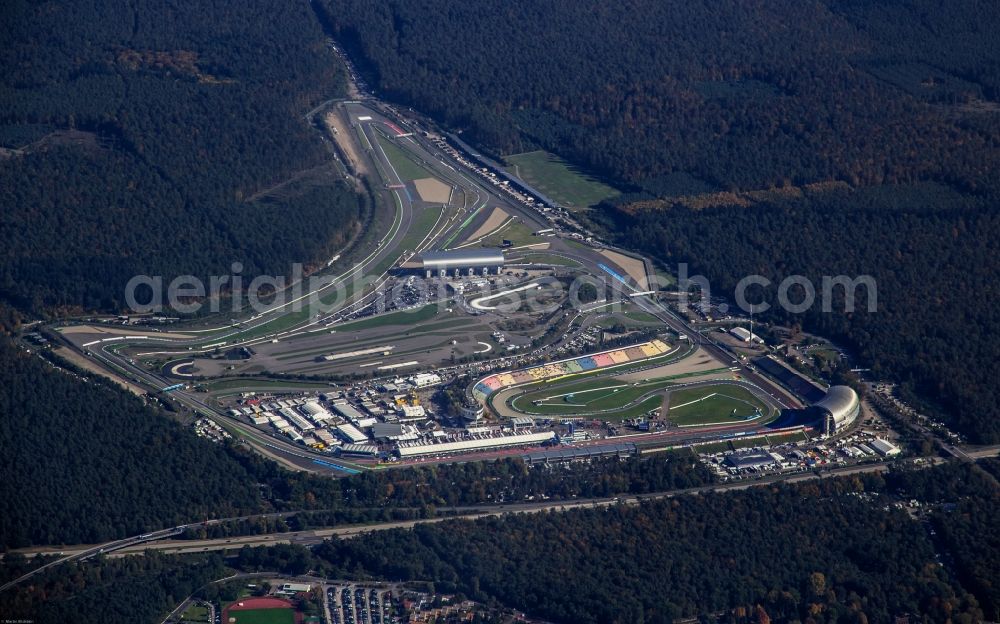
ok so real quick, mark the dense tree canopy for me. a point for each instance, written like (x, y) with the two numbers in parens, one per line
(89, 463)
(145, 139)
(838, 550)
(732, 94)
(835, 550)
(112, 591)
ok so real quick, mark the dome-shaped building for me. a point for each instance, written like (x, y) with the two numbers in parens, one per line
(838, 408)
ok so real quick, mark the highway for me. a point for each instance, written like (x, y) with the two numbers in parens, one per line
(82, 553)
(158, 540)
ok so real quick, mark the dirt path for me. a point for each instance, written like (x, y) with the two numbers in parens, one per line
(433, 190)
(665, 406)
(698, 362)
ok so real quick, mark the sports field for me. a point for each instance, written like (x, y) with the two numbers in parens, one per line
(262, 616)
(265, 610)
(611, 398)
(712, 404)
(558, 179)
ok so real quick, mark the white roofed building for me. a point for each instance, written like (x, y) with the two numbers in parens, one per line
(839, 408)
(413, 412)
(422, 380)
(462, 262)
(351, 434)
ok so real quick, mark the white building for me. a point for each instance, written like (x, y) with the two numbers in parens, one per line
(315, 412)
(473, 444)
(422, 380)
(351, 433)
(883, 448)
(473, 412)
(840, 407)
(413, 411)
(347, 411)
(744, 335)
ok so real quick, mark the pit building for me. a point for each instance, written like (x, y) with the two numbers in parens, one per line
(459, 262)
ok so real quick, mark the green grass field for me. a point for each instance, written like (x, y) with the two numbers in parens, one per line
(517, 233)
(784, 438)
(422, 225)
(623, 321)
(263, 616)
(195, 613)
(449, 325)
(714, 404)
(602, 397)
(643, 317)
(729, 445)
(407, 169)
(558, 179)
(262, 384)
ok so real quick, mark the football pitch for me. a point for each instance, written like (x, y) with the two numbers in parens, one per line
(262, 616)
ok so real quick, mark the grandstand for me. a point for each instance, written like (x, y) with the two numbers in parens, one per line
(614, 357)
(838, 408)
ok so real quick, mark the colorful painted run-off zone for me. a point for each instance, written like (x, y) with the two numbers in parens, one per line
(606, 359)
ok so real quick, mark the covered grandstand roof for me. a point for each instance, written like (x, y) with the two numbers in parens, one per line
(569, 453)
(473, 444)
(841, 402)
(462, 258)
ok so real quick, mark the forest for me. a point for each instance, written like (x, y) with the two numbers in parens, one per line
(149, 140)
(112, 591)
(88, 463)
(838, 550)
(718, 94)
(838, 137)
(833, 550)
(428, 491)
